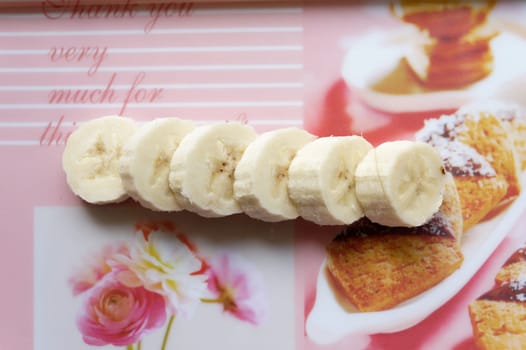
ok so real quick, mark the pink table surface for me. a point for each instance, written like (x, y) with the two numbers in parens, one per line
(271, 66)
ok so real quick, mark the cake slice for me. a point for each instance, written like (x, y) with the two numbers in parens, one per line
(513, 268)
(513, 118)
(499, 324)
(377, 267)
(473, 175)
(498, 317)
(487, 135)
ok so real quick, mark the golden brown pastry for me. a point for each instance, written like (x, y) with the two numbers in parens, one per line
(513, 118)
(498, 317)
(377, 267)
(473, 175)
(517, 128)
(487, 135)
(513, 268)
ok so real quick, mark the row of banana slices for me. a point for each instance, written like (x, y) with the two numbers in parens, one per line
(225, 168)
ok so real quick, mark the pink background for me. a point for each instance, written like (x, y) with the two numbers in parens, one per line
(272, 66)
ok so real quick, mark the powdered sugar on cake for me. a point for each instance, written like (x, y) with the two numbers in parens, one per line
(460, 159)
(447, 126)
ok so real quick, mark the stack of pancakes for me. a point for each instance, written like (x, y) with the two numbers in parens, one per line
(455, 50)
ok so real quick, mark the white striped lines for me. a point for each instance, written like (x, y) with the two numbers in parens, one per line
(177, 68)
(201, 104)
(182, 86)
(211, 30)
(7, 125)
(23, 124)
(19, 143)
(244, 33)
(282, 122)
(248, 11)
(69, 124)
(180, 49)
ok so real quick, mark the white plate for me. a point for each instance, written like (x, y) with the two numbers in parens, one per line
(328, 321)
(373, 56)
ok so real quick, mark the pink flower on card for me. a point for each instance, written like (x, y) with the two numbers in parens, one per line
(239, 287)
(94, 270)
(164, 265)
(119, 315)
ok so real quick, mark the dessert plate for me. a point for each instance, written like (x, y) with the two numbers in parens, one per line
(330, 319)
(374, 57)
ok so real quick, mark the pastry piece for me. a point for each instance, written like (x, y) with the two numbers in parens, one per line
(377, 267)
(487, 135)
(499, 324)
(498, 316)
(513, 268)
(473, 175)
(451, 207)
(516, 124)
(512, 116)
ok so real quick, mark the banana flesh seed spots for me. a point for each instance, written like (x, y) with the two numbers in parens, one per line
(161, 166)
(384, 192)
(409, 189)
(160, 169)
(222, 173)
(343, 186)
(279, 173)
(102, 161)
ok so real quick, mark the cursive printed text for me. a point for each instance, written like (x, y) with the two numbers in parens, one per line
(134, 94)
(54, 134)
(67, 9)
(94, 54)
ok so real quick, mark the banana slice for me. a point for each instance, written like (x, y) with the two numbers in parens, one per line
(261, 175)
(202, 168)
(145, 162)
(91, 159)
(321, 179)
(400, 183)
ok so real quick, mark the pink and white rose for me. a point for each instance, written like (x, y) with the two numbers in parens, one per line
(164, 265)
(116, 314)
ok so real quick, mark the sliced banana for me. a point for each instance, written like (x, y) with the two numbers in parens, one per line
(400, 183)
(261, 176)
(321, 179)
(91, 159)
(145, 162)
(202, 168)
